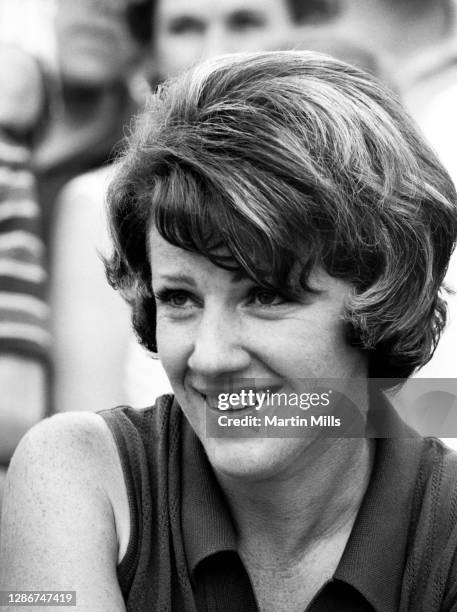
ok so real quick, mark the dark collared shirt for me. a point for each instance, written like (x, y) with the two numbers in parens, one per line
(400, 554)
(369, 575)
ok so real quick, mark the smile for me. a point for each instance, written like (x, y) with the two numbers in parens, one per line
(243, 400)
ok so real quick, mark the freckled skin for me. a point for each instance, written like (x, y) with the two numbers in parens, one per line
(212, 328)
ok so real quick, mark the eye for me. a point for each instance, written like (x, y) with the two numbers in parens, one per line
(246, 20)
(181, 26)
(266, 297)
(176, 298)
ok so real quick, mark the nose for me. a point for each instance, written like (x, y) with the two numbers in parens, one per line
(217, 42)
(218, 349)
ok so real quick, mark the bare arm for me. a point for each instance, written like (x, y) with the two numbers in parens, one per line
(64, 500)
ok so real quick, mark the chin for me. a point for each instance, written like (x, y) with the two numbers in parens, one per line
(253, 459)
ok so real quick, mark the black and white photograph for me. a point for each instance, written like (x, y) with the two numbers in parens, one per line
(228, 305)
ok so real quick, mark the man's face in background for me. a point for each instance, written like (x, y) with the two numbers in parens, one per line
(95, 46)
(188, 31)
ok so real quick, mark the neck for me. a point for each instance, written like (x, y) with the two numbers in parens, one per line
(288, 516)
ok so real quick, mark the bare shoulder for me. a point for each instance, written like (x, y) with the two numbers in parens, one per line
(65, 443)
(59, 526)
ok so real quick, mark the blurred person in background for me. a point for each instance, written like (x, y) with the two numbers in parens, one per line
(90, 328)
(91, 324)
(96, 55)
(52, 126)
(188, 31)
(24, 315)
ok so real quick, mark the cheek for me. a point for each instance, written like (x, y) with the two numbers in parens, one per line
(334, 355)
(316, 348)
(173, 347)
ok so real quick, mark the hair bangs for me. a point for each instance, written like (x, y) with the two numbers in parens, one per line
(191, 213)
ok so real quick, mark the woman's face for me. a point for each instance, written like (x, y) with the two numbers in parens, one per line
(188, 31)
(215, 328)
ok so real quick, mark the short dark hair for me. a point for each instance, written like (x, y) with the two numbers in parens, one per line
(292, 157)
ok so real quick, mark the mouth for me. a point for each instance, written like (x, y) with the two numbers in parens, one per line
(241, 401)
(213, 405)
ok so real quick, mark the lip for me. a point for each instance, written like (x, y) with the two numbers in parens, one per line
(239, 412)
(232, 388)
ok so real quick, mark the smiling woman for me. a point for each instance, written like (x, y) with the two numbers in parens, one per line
(215, 327)
(277, 223)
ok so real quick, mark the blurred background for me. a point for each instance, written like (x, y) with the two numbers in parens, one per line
(72, 75)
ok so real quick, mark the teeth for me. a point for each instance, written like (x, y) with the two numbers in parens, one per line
(212, 401)
(214, 405)
(247, 406)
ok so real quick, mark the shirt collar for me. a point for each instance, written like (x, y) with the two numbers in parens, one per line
(374, 557)
(207, 526)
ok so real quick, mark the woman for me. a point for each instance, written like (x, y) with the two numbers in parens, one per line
(277, 222)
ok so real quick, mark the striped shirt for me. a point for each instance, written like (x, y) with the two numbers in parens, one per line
(24, 313)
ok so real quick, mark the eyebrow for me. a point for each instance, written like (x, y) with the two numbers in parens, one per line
(178, 278)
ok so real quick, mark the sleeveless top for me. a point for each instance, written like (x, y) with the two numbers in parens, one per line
(401, 554)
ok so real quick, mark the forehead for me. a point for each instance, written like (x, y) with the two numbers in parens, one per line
(167, 260)
(82, 11)
(211, 9)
